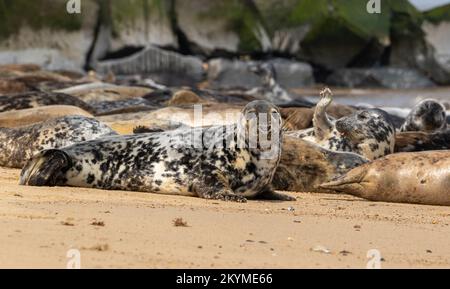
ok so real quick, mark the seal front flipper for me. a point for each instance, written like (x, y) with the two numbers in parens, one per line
(322, 124)
(47, 168)
(213, 187)
(269, 194)
(144, 129)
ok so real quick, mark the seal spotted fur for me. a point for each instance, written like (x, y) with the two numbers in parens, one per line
(39, 98)
(368, 132)
(415, 141)
(305, 165)
(203, 162)
(18, 145)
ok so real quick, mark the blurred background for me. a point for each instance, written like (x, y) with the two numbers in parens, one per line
(176, 42)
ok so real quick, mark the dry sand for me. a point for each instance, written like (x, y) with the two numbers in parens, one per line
(39, 225)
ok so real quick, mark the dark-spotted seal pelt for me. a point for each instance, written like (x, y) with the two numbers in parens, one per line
(368, 132)
(418, 178)
(19, 145)
(428, 115)
(212, 163)
(305, 165)
(416, 141)
(38, 98)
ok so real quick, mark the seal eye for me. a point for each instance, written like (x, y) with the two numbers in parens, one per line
(363, 116)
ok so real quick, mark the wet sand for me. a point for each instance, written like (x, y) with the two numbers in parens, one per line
(115, 229)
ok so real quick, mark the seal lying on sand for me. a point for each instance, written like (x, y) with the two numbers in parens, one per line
(37, 98)
(428, 116)
(213, 163)
(416, 141)
(304, 166)
(419, 178)
(18, 145)
(368, 132)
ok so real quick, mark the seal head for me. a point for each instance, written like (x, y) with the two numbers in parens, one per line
(370, 131)
(428, 115)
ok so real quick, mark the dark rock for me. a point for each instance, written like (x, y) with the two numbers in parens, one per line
(386, 77)
(411, 47)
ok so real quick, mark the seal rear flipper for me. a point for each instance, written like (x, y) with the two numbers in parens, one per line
(212, 187)
(350, 183)
(46, 169)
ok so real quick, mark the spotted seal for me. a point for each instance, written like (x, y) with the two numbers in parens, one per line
(271, 90)
(428, 115)
(305, 165)
(18, 145)
(212, 163)
(415, 141)
(419, 178)
(39, 98)
(368, 132)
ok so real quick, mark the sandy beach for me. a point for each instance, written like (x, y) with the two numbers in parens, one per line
(113, 229)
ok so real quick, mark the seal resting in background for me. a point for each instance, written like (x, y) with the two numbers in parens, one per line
(304, 166)
(18, 145)
(271, 90)
(214, 163)
(428, 115)
(368, 132)
(38, 98)
(417, 178)
(29, 116)
(416, 141)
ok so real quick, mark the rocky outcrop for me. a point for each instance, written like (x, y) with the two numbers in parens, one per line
(221, 26)
(330, 35)
(411, 47)
(42, 32)
(230, 74)
(395, 78)
(437, 34)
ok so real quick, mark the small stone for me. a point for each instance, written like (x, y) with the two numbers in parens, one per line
(179, 222)
(320, 249)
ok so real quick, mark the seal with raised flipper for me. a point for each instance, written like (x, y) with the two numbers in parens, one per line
(368, 132)
(19, 145)
(218, 162)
